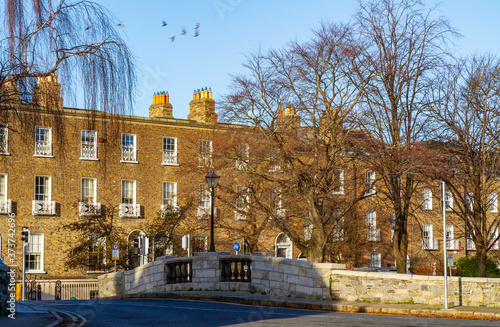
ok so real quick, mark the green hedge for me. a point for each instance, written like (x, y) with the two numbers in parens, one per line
(470, 267)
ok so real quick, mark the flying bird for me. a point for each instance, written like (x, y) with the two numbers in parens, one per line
(172, 38)
(197, 26)
(120, 25)
(183, 31)
(164, 23)
(88, 27)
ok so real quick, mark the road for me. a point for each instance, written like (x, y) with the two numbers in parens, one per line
(161, 312)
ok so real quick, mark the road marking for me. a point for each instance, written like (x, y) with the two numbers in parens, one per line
(74, 316)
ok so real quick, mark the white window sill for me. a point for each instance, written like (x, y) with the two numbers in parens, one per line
(4, 153)
(91, 159)
(427, 209)
(126, 161)
(338, 193)
(36, 272)
(43, 156)
(168, 164)
(97, 272)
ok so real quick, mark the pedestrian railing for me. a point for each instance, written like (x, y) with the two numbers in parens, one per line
(236, 270)
(179, 271)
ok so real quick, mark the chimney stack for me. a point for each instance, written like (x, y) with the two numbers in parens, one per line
(161, 107)
(202, 107)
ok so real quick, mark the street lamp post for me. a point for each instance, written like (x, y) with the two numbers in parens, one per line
(212, 180)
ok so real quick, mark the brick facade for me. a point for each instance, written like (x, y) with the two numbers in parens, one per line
(66, 168)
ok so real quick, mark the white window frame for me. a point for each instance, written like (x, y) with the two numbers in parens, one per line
(276, 202)
(96, 241)
(129, 151)
(375, 260)
(133, 189)
(205, 153)
(84, 198)
(43, 142)
(4, 139)
(469, 201)
(450, 238)
(448, 199)
(493, 236)
(242, 201)
(40, 251)
(5, 202)
(204, 201)
(372, 233)
(242, 155)
(493, 202)
(88, 145)
(370, 177)
(427, 199)
(172, 199)
(169, 156)
(428, 237)
(42, 196)
(338, 182)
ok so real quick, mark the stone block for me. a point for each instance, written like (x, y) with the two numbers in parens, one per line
(204, 273)
(275, 276)
(265, 266)
(298, 280)
(278, 286)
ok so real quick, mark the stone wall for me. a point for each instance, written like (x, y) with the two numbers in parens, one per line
(394, 288)
(284, 277)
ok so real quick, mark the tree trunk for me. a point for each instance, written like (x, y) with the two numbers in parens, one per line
(315, 253)
(400, 247)
(481, 261)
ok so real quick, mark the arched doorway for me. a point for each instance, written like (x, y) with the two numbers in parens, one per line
(283, 246)
(138, 248)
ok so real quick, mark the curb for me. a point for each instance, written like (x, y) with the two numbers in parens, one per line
(315, 306)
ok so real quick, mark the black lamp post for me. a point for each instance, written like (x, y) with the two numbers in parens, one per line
(212, 180)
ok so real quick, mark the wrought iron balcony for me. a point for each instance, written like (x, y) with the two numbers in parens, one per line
(428, 244)
(41, 207)
(43, 148)
(169, 158)
(89, 209)
(373, 235)
(129, 210)
(204, 213)
(129, 154)
(166, 207)
(5, 206)
(89, 151)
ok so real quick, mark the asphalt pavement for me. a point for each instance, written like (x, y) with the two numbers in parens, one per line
(63, 313)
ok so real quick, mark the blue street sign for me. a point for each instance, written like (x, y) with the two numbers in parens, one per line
(236, 246)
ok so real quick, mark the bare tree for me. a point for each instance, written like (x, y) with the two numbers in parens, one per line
(297, 99)
(469, 116)
(78, 41)
(93, 235)
(403, 46)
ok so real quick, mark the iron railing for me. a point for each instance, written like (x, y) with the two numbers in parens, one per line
(41, 207)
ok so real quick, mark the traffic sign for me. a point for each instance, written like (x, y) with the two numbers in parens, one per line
(450, 259)
(115, 251)
(236, 246)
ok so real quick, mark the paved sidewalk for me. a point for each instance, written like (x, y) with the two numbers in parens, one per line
(30, 314)
(421, 310)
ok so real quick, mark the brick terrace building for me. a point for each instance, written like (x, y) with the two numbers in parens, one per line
(50, 176)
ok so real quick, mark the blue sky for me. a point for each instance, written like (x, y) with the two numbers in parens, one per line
(229, 29)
